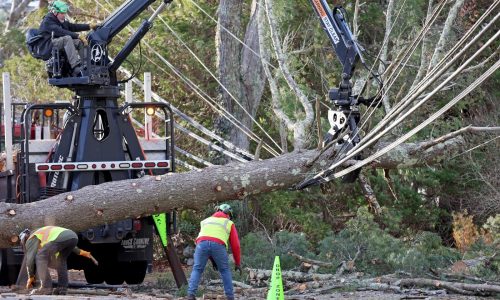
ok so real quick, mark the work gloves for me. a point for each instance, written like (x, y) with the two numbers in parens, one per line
(238, 268)
(93, 25)
(89, 256)
(30, 282)
(85, 254)
(83, 38)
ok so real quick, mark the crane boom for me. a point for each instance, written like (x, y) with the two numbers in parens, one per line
(337, 29)
(345, 111)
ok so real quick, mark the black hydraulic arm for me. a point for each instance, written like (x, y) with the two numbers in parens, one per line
(136, 38)
(346, 111)
(120, 18)
(335, 26)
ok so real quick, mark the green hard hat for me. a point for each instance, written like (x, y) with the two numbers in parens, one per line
(59, 6)
(225, 208)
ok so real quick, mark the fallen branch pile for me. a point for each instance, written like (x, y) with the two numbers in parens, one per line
(313, 284)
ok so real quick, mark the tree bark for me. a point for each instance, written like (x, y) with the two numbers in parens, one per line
(239, 69)
(445, 33)
(456, 287)
(385, 50)
(113, 201)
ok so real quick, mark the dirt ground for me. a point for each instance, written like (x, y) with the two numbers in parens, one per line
(161, 286)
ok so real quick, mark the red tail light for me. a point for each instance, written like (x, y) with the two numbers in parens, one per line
(137, 225)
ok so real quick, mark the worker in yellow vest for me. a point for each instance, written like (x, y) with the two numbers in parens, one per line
(48, 246)
(216, 234)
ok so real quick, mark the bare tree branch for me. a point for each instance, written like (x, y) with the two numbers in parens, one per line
(366, 187)
(385, 49)
(444, 38)
(424, 58)
(355, 20)
(310, 261)
(469, 129)
(299, 127)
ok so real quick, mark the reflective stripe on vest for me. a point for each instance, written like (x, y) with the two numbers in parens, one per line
(218, 228)
(47, 234)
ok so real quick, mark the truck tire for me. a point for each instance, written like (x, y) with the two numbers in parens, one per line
(113, 273)
(94, 275)
(3, 270)
(8, 273)
(134, 271)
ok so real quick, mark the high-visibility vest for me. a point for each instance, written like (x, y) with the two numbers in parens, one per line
(218, 228)
(47, 234)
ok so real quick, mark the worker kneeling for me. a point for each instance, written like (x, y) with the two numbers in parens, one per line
(212, 242)
(48, 246)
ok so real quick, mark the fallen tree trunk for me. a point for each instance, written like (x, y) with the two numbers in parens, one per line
(113, 201)
(456, 287)
(263, 275)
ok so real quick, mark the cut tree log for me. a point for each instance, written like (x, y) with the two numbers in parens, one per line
(456, 287)
(310, 261)
(113, 201)
(261, 275)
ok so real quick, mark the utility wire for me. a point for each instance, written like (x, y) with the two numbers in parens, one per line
(368, 138)
(219, 82)
(429, 80)
(177, 160)
(257, 139)
(431, 119)
(224, 112)
(232, 34)
(446, 59)
(357, 149)
(190, 120)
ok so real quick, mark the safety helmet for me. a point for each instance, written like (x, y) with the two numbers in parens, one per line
(59, 6)
(23, 237)
(225, 208)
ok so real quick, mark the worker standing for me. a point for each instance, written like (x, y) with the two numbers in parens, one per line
(212, 243)
(48, 246)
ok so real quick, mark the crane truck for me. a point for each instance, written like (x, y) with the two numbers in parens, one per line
(96, 143)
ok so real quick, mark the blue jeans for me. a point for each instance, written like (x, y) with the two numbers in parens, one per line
(204, 250)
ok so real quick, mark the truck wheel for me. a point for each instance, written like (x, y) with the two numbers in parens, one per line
(3, 270)
(8, 273)
(113, 274)
(94, 275)
(134, 271)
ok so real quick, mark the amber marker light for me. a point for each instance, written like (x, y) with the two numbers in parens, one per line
(150, 111)
(48, 112)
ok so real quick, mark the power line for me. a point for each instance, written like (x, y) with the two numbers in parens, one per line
(232, 34)
(219, 82)
(431, 119)
(178, 73)
(369, 139)
(212, 103)
(357, 149)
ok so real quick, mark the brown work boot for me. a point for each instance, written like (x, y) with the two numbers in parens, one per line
(191, 297)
